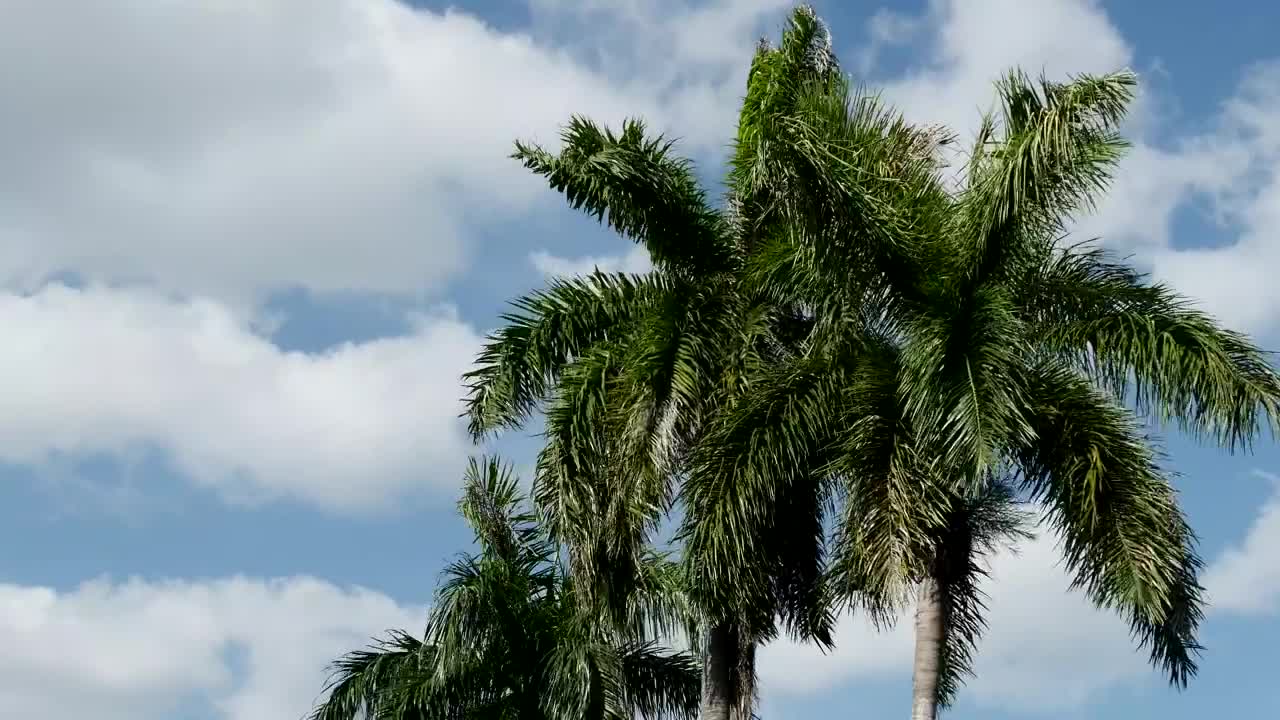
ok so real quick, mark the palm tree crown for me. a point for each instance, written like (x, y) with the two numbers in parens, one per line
(630, 370)
(510, 637)
(960, 344)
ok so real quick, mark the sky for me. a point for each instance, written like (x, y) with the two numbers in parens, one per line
(247, 247)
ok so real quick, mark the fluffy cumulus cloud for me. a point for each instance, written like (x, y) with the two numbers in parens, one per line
(696, 52)
(232, 148)
(247, 649)
(100, 370)
(1229, 177)
(220, 152)
(1025, 662)
(967, 44)
(231, 649)
(1245, 579)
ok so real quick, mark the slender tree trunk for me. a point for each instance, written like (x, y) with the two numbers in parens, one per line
(929, 631)
(744, 682)
(717, 672)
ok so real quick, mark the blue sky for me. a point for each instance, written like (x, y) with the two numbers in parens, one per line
(246, 249)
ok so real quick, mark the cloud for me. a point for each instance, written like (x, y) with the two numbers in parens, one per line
(1245, 578)
(968, 44)
(251, 649)
(704, 50)
(1045, 648)
(635, 261)
(233, 649)
(1230, 175)
(200, 157)
(101, 370)
(1228, 178)
(231, 149)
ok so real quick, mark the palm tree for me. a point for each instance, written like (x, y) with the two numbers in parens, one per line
(511, 637)
(960, 343)
(631, 369)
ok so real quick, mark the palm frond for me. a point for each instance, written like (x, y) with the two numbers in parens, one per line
(660, 683)
(1057, 147)
(547, 330)
(365, 683)
(976, 527)
(955, 381)
(773, 82)
(1148, 345)
(858, 196)
(770, 444)
(639, 187)
(491, 506)
(1123, 535)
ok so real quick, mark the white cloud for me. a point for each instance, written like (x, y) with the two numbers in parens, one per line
(1245, 578)
(223, 151)
(141, 649)
(636, 260)
(1234, 170)
(698, 53)
(1230, 177)
(235, 148)
(1045, 648)
(968, 44)
(105, 371)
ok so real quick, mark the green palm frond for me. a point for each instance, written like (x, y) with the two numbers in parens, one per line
(368, 683)
(956, 383)
(1149, 346)
(977, 526)
(773, 83)
(770, 443)
(547, 329)
(511, 635)
(1123, 535)
(855, 189)
(637, 186)
(491, 506)
(1048, 156)
(661, 683)
(894, 500)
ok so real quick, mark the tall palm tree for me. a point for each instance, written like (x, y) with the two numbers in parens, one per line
(511, 637)
(630, 369)
(960, 342)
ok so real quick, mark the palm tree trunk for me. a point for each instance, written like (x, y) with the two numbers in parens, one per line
(929, 631)
(717, 672)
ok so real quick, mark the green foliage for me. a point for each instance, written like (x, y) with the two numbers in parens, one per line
(510, 636)
(630, 370)
(960, 352)
(852, 375)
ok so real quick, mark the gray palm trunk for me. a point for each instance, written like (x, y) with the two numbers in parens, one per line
(928, 656)
(717, 674)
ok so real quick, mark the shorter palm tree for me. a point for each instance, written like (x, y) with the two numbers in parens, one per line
(509, 637)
